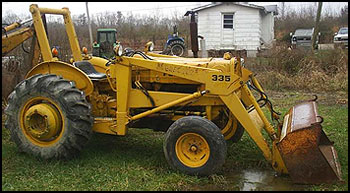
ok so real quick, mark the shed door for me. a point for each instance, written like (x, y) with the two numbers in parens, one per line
(227, 32)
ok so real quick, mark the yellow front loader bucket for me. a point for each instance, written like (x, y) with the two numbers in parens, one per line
(308, 154)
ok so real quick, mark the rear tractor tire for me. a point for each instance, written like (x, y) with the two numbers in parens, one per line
(177, 48)
(48, 117)
(229, 126)
(195, 146)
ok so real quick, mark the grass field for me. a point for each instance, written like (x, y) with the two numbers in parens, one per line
(136, 161)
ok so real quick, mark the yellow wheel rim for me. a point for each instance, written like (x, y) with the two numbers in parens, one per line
(41, 121)
(192, 150)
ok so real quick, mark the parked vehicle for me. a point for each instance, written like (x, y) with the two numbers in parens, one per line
(341, 37)
(175, 45)
(106, 40)
(302, 38)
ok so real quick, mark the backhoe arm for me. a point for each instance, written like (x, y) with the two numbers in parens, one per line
(11, 40)
(15, 34)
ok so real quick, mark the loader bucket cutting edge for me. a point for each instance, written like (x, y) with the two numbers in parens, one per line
(307, 153)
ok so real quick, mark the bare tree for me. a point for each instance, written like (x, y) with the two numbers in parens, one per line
(315, 34)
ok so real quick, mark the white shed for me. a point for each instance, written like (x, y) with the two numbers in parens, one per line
(236, 26)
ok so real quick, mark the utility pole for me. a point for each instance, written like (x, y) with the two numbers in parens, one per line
(315, 34)
(283, 10)
(89, 24)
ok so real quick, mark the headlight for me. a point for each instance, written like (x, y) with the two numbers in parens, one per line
(242, 60)
(118, 50)
(149, 47)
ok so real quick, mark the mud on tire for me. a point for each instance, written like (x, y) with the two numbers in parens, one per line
(75, 113)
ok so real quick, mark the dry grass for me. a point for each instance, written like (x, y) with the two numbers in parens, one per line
(283, 69)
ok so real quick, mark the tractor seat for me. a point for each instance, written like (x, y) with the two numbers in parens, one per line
(89, 70)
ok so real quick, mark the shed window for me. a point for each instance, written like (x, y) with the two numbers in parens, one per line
(228, 21)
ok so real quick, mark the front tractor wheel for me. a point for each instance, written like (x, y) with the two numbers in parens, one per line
(48, 117)
(195, 145)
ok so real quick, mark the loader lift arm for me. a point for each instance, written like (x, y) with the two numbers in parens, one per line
(301, 123)
(226, 90)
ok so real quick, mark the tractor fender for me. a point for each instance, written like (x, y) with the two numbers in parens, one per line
(174, 39)
(67, 71)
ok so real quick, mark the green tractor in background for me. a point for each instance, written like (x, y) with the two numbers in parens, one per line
(106, 40)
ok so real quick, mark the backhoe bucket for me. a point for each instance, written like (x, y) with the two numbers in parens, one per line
(308, 154)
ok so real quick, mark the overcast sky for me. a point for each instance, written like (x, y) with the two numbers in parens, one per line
(163, 9)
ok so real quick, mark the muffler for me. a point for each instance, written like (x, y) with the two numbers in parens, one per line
(307, 153)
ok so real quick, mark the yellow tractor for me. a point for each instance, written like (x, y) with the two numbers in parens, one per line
(198, 102)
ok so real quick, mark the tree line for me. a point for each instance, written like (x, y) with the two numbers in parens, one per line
(135, 30)
(305, 18)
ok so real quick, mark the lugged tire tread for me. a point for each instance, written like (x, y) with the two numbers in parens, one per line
(78, 124)
(206, 129)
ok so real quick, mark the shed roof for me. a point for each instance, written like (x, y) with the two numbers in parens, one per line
(266, 9)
